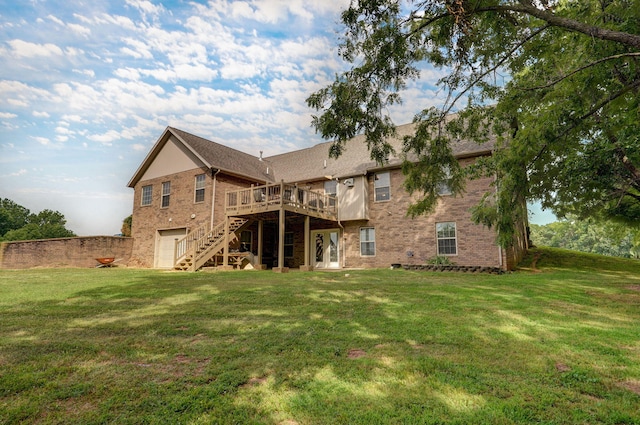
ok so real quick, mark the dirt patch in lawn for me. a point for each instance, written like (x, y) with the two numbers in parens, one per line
(253, 382)
(633, 386)
(356, 353)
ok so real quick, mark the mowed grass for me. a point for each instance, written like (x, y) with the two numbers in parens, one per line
(557, 342)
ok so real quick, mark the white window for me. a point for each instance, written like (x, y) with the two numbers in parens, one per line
(147, 194)
(166, 193)
(446, 236)
(331, 189)
(367, 241)
(444, 188)
(200, 184)
(381, 186)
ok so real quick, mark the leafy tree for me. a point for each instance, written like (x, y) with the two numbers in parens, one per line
(607, 238)
(12, 216)
(126, 226)
(44, 225)
(556, 82)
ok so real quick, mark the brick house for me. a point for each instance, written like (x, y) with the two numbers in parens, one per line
(194, 198)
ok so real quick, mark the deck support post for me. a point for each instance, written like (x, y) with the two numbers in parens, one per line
(259, 264)
(281, 220)
(307, 242)
(225, 257)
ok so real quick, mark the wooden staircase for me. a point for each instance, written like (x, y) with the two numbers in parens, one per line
(200, 245)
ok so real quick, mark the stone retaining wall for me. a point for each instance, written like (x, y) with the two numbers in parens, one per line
(64, 252)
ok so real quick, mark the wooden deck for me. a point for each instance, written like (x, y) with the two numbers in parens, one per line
(262, 199)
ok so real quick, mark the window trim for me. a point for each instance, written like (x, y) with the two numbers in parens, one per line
(443, 238)
(166, 194)
(202, 188)
(388, 186)
(368, 241)
(149, 201)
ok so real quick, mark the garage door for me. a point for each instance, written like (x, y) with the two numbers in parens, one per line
(165, 244)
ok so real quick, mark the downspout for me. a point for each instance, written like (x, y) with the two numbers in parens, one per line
(214, 175)
(344, 245)
(344, 238)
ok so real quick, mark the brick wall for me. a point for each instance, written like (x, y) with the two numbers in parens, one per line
(64, 252)
(183, 212)
(396, 234)
(405, 240)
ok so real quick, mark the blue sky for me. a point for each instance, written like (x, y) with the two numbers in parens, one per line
(87, 87)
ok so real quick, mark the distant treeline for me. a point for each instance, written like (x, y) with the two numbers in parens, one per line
(606, 238)
(17, 223)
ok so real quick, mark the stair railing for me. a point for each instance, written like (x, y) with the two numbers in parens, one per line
(185, 245)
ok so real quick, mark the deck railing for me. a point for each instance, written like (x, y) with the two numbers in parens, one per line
(273, 196)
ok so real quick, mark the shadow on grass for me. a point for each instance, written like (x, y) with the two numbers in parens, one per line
(375, 347)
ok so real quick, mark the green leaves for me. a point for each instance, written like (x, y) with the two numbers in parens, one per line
(566, 122)
(18, 223)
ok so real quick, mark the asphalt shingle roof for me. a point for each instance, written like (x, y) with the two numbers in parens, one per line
(225, 158)
(307, 164)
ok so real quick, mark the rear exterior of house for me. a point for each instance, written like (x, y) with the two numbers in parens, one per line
(199, 203)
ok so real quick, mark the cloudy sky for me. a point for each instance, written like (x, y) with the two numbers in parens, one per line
(87, 87)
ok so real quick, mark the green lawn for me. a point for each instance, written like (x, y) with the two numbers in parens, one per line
(556, 343)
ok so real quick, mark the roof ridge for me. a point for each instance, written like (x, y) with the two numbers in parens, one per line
(213, 141)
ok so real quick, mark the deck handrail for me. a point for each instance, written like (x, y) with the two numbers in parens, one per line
(196, 240)
(263, 197)
(188, 242)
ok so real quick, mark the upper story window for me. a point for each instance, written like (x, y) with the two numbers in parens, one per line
(166, 193)
(199, 188)
(367, 241)
(447, 239)
(331, 189)
(444, 188)
(382, 186)
(147, 194)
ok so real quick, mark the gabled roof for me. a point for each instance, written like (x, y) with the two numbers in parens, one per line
(302, 165)
(211, 154)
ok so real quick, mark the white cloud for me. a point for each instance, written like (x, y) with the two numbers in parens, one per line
(56, 20)
(27, 49)
(7, 115)
(18, 173)
(146, 7)
(106, 138)
(87, 72)
(63, 129)
(79, 29)
(40, 114)
(127, 73)
(42, 140)
(74, 118)
(139, 147)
